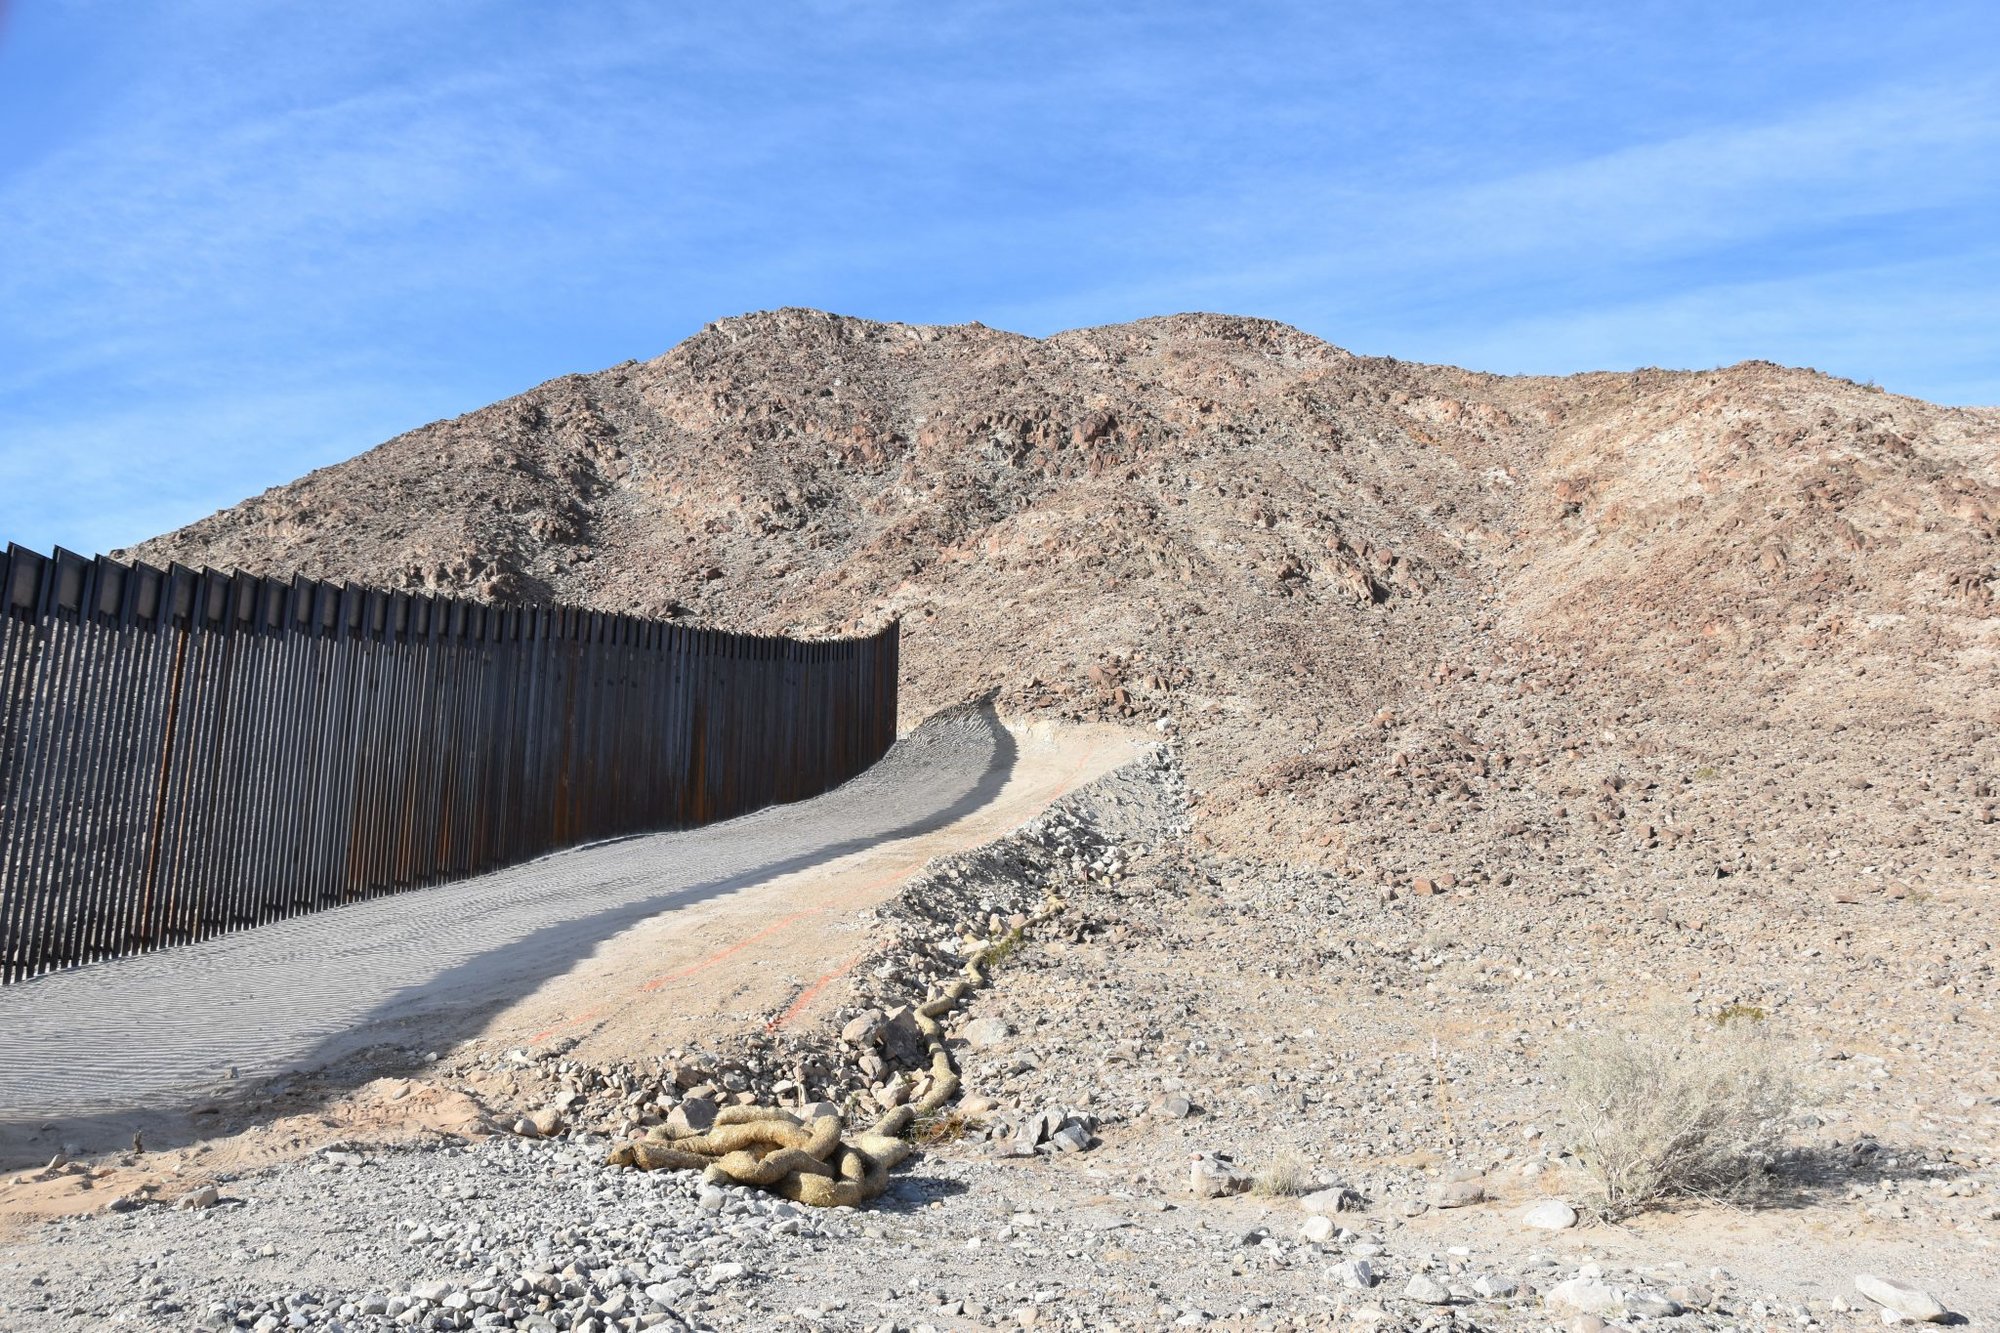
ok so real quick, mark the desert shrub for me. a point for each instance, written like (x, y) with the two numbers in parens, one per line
(1287, 1174)
(939, 1128)
(1674, 1107)
(1003, 950)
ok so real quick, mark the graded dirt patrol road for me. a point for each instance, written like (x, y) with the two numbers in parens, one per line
(625, 945)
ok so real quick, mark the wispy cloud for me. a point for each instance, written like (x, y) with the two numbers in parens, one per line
(1897, 150)
(1744, 208)
(94, 478)
(1924, 329)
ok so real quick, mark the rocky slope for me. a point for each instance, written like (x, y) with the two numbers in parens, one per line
(1422, 626)
(1400, 1060)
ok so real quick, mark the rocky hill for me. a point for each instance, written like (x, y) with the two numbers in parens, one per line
(1423, 626)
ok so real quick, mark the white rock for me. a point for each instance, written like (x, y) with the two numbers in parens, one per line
(1550, 1215)
(1354, 1273)
(695, 1115)
(1494, 1287)
(1651, 1304)
(1317, 1230)
(1427, 1291)
(1071, 1138)
(205, 1197)
(1902, 1298)
(862, 1028)
(1583, 1295)
(1335, 1199)
(981, 1033)
(1211, 1178)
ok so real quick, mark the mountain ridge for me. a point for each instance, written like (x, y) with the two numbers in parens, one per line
(1389, 610)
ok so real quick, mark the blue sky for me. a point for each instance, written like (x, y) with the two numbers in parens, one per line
(242, 240)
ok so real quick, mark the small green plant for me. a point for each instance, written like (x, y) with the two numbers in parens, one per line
(1003, 949)
(1706, 773)
(1739, 1013)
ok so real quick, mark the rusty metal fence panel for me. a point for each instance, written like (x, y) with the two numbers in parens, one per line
(186, 752)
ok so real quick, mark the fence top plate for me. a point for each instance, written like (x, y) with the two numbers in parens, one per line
(70, 586)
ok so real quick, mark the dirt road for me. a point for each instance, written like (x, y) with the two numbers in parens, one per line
(621, 945)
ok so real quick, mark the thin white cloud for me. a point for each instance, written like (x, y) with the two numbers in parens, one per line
(1442, 263)
(1837, 322)
(95, 479)
(1896, 151)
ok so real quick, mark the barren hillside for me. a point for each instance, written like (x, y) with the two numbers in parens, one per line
(1408, 622)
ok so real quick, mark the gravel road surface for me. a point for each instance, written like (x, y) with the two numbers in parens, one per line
(184, 1026)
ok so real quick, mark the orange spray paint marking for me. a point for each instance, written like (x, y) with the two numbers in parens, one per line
(806, 995)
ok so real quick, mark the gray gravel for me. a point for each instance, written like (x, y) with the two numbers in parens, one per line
(511, 1233)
